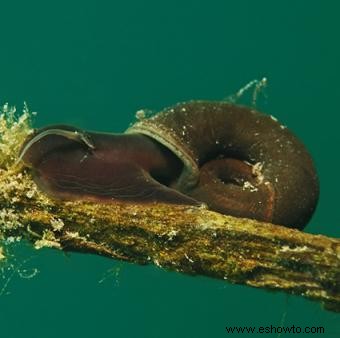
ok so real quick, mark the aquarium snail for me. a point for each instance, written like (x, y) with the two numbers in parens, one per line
(234, 159)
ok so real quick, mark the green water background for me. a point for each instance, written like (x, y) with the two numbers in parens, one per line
(93, 64)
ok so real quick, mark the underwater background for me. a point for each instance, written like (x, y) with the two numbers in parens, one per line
(93, 64)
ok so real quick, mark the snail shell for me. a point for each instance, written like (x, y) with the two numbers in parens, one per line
(237, 160)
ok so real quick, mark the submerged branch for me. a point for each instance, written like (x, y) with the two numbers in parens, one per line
(186, 239)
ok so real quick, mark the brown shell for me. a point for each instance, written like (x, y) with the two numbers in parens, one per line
(281, 176)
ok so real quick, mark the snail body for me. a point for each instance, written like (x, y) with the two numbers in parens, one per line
(234, 159)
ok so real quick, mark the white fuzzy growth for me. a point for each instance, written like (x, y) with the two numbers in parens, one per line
(257, 171)
(286, 248)
(248, 186)
(140, 114)
(57, 224)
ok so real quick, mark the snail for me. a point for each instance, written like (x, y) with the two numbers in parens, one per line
(232, 158)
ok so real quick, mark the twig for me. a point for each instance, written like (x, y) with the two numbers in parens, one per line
(185, 239)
